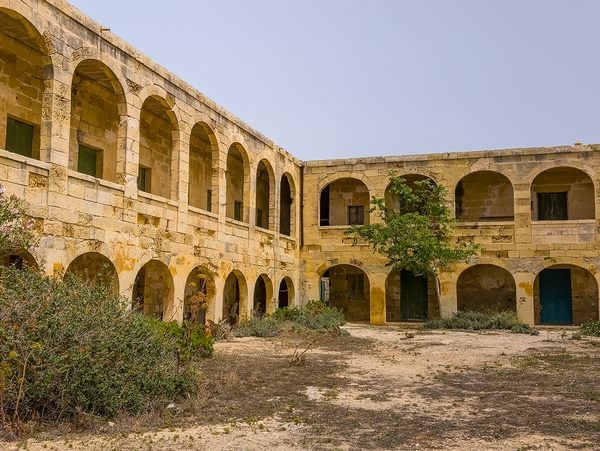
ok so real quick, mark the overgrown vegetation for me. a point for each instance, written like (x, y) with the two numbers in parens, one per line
(590, 329)
(482, 321)
(315, 315)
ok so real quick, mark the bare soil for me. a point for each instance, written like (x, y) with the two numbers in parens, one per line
(374, 388)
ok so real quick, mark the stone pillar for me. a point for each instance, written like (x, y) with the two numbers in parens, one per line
(448, 294)
(524, 283)
(377, 283)
(215, 309)
(175, 311)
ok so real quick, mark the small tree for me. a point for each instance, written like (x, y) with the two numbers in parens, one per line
(416, 235)
(16, 228)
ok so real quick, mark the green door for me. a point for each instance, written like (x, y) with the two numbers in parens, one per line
(413, 297)
(555, 297)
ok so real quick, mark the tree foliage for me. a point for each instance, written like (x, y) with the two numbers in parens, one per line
(16, 229)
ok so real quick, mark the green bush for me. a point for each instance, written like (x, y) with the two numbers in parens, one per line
(590, 329)
(482, 321)
(69, 346)
(259, 327)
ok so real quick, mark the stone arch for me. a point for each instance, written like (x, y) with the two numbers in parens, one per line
(235, 297)
(286, 295)
(263, 295)
(486, 288)
(408, 296)
(19, 259)
(484, 196)
(199, 297)
(349, 290)
(237, 183)
(98, 129)
(287, 210)
(153, 290)
(265, 195)
(565, 294)
(94, 267)
(562, 193)
(344, 201)
(158, 134)
(391, 201)
(25, 65)
(204, 156)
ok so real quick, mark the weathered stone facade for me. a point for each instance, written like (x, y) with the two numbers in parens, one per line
(135, 176)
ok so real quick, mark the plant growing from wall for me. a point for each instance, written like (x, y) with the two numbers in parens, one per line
(417, 235)
(16, 228)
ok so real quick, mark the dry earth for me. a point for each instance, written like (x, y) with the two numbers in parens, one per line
(379, 388)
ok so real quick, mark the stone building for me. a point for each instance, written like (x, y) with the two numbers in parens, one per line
(136, 177)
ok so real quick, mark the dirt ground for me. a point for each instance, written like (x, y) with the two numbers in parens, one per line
(374, 388)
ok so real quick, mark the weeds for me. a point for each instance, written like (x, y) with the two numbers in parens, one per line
(482, 321)
(591, 329)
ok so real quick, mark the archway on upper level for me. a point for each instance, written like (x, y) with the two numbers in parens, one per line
(203, 154)
(199, 295)
(484, 196)
(97, 133)
(349, 291)
(287, 214)
(157, 129)
(486, 289)
(265, 195)
(345, 201)
(563, 193)
(23, 58)
(93, 267)
(235, 297)
(237, 183)
(153, 290)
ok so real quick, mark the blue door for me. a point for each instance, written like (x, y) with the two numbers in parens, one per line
(555, 296)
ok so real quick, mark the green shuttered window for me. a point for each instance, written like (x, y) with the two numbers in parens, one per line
(19, 137)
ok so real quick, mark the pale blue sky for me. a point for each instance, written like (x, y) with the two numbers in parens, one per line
(345, 78)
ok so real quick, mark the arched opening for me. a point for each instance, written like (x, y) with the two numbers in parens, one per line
(407, 296)
(264, 195)
(263, 293)
(96, 96)
(95, 268)
(392, 201)
(286, 295)
(486, 289)
(203, 145)
(565, 295)
(484, 196)
(18, 259)
(22, 62)
(237, 181)
(287, 217)
(347, 288)
(157, 127)
(153, 290)
(344, 202)
(560, 194)
(235, 295)
(199, 295)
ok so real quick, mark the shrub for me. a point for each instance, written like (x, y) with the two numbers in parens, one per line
(70, 346)
(482, 321)
(590, 329)
(259, 327)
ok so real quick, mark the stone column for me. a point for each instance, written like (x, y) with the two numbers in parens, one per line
(524, 283)
(377, 282)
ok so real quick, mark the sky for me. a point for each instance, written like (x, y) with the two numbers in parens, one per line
(347, 78)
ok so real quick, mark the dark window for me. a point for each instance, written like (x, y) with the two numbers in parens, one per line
(143, 181)
(237, 211)
(19, 137)
(259, 218)
(356, 286)
(209, 200)
(356, 215)
(87, 161)
(324, 207)
(552, 206)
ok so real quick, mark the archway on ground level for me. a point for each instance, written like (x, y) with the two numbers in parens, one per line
(22, 62)
(157, 127)
(93, 267)
(199, 295)
(235, 296)
(287, 216)
(347, 288)
(153, 290)
(563, 193)
(18, 259)
(265, 195)
(263, 293)
(285, 297)
(97, 103)
(203, 154)
(564, 295)
(344, 201)
(484, 196)
(237, 178)
(486, 289)
(406, 297)
(392, 201)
